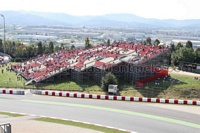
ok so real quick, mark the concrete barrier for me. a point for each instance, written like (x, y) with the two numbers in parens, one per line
(14, 92)
(38, 92)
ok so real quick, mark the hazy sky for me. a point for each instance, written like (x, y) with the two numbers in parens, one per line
(162, 9)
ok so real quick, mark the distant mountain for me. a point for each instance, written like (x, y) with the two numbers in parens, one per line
(25, 18)
(61, 17)
(108, 20)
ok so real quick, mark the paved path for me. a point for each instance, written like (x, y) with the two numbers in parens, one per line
(183, 73)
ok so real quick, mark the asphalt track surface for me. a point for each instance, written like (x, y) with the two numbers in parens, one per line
(133, 116)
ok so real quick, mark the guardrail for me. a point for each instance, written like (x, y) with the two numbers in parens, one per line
(5, 128)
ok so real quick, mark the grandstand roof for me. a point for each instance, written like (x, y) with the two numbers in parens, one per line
(100, 56)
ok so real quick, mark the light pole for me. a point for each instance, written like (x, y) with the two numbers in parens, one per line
(4, 41)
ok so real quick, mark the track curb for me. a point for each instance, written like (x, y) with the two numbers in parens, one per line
(101, 97)
(118, 98)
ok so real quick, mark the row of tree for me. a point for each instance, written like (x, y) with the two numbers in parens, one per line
(149, 41)
(181, 53)
(20, 51)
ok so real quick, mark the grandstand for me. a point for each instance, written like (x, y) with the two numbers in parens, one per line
(127, 61)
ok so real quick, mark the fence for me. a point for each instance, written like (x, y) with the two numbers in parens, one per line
(5, 128)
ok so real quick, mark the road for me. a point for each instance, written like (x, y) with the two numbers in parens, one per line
(133, 116)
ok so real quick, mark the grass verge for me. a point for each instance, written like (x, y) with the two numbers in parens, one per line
(82, 125)
(11, 114)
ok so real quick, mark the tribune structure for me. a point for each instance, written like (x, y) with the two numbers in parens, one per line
(128, 61)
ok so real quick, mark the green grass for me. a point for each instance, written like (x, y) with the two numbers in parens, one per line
(11, 114)
(130, 91)
(60, 85)
(94, 89)
(82, 125)
(9, 78)
(189, 82)
(187, 89)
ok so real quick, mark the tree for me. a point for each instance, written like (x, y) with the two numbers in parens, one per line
(40, 49)
(9, 47)
(172, 47)
(197, 55)
(187, 54)
(72, 47)
(62, 46)
(148, 40)
(24, 52)
(108, 42)
(51, 47)
(87, 43)
(143, 42)
(174, 59)
(179, 45)
(109, 78)
(189, 44)
(156, 42)
(183, 54)
(45, 50)
(13, 48)
(57, 48)
(30, 51)
(20, 50)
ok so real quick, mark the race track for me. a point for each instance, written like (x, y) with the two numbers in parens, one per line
(133, 116)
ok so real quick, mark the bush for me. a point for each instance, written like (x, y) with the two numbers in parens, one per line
(109, 78)
(18, 59)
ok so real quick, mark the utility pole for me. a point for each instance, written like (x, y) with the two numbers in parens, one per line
(4, 41)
